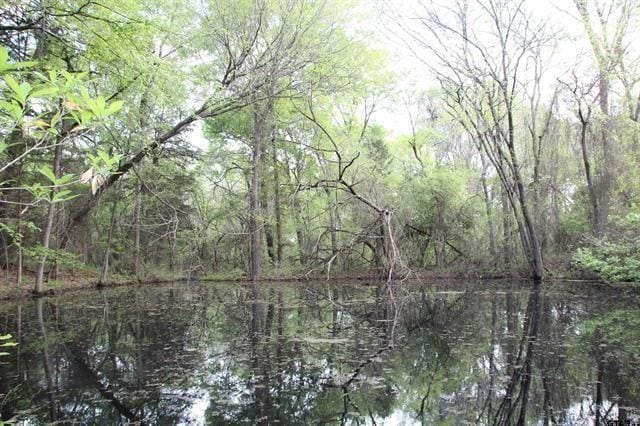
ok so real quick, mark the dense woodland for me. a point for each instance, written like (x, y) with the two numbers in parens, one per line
(252, 138)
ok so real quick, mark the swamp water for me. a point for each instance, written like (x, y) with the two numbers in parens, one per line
(483, 353)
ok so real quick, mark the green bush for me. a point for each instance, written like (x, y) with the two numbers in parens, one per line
(616, 262)
(615, 258)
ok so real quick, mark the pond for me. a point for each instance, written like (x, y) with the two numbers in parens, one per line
(465, 353)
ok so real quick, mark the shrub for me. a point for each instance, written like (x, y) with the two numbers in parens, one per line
(617, 261)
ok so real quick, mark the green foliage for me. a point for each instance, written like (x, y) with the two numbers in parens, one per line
(615, 262)
(619, 260)
(103, 162)
(37, 103)
(102, 166)
(575, 224)
(9, 229)
(16, 237)
(84, 108)
(327, 155)
(7, 65)
(62, 257)
(440, 210)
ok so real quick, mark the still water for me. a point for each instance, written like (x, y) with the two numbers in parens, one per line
(472, 353)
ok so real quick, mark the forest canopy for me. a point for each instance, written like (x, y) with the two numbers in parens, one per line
(276, 138)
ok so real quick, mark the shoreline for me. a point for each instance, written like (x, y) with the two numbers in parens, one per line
(71, 284)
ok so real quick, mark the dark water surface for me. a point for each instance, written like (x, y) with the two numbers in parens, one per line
(324, 353)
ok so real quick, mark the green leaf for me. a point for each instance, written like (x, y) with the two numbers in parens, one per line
(101, 104)
(13, 84)
(114, 107)
(13, 108)
(84, 92)
(56, 117)
(5, 337)
(104, 156)
(64, 179)
(47, 172)
(20, 91)
(26, 64)
(85, 116)
(38, 123)
(5, 65)
(63, 196)
(45, 91)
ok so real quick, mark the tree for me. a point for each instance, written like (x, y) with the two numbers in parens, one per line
(608, 40)
(47, 113)
(482, 76)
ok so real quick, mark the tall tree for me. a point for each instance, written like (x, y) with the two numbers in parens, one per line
(606, 25)
(482, 76)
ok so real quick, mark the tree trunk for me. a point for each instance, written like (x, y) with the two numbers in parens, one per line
(302, 253)
(276, 202)
(535, 252)
(19, 248)
(439, 237)
(174, 242)
(264, 205)
(136, 230)
(48, 225)
(105, 263)
(507, 250)
(593, 198)
(59, 217)
(607, 58)
(254, 203)
(609, 169)
(392, 260)
(332, 222)
(261, 116)
(487, 206)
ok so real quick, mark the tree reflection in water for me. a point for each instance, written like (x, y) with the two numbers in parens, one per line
(324, 354)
